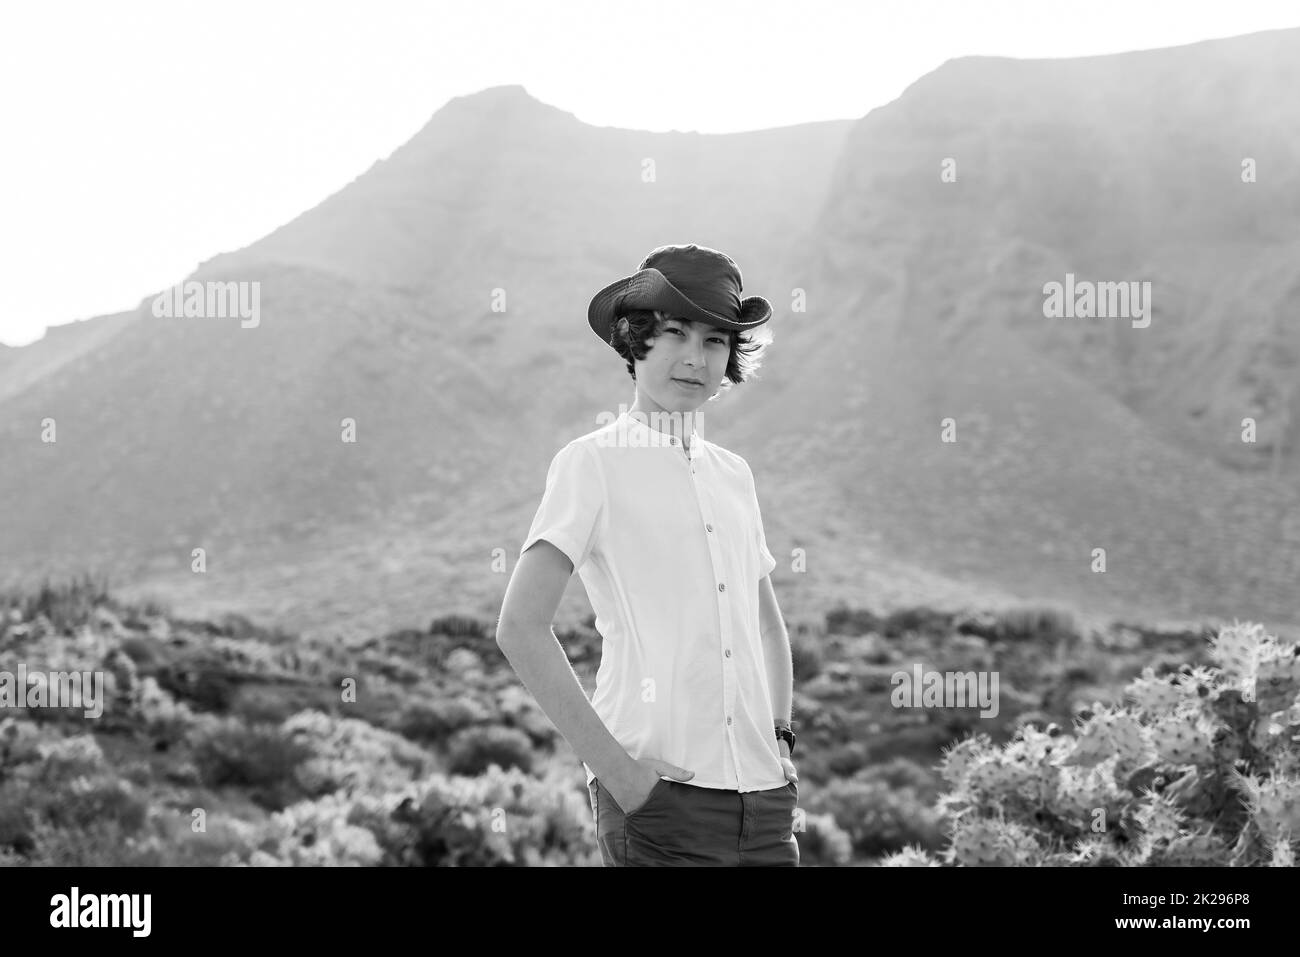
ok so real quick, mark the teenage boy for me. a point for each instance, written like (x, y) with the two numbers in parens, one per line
(687, 739)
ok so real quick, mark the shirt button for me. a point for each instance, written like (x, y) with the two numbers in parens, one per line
(672, 440)
(728, 652)
(709, 527)
(728, 719)
(721, 587)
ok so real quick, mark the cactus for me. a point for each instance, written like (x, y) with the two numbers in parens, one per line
(993, 843)
(1200, 768)
(1183, 737)
(1203, 849)
(1234, 651)
(1110, 732)
(1097, 851)
(1152, 695)
(910, 856)
(1283, 852)
(1277, 678)
(1081, 791)
(991, 777)
(1273, 802)
(1160, 818)
(958, 758)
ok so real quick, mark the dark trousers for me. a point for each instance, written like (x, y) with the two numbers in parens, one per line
(681, 825)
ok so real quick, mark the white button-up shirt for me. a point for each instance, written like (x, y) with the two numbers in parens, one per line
(670, 548)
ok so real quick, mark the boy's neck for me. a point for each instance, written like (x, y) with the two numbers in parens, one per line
(681, 424)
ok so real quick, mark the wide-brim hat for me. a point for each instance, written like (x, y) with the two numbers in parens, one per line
(689, 281)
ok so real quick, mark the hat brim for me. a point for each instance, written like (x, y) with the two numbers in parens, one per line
(650, 289)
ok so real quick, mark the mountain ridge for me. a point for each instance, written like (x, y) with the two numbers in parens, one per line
(924, 302)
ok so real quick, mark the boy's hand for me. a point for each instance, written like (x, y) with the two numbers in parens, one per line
(633, 789)
(786, 764)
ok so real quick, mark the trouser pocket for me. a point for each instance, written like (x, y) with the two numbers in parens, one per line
(611, 826)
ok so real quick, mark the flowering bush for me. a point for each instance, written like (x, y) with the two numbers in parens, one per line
(502, 818)
(313, 833)
(49, 781)
(349, 756)
(877, 817)
(823, 843)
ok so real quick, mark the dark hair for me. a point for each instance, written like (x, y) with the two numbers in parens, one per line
(634, 330)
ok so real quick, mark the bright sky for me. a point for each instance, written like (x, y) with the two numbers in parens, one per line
(141, 138)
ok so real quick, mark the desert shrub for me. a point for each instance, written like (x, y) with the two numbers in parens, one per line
(238, 626)
(503, 817)
(144, 653)
(901, 773)
(878, 818)
(919, 619)
(581, 644)
(435, 721)
(64, 758)
(823, 843)
(241, 628)
(277, 701)
(843, 759)
(1043, 626)
(313, 834)
(154, 607)
(100, 844)
(806, 653)
(139, 773)
(204, 687)
(518, 709)
(263, 759)
(87, 802)
(159, 715)
(64, 783)
(20, 743)
(66, 604)
(350, 755)
(472, 750)
(426, 647)
(15, 818)
(459, 626)
(160, 839)
(843, 620)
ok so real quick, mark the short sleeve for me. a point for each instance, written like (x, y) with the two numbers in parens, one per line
(766, 563)
(573, 505)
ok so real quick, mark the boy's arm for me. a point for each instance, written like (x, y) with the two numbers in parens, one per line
(776, 655)
(525, 637)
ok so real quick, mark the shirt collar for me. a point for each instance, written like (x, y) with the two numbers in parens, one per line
(664, 438)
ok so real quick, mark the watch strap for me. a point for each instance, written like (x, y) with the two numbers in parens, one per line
(784, 732)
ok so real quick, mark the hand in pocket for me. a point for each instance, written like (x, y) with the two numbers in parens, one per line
(634, 792)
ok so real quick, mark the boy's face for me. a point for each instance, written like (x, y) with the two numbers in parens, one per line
(682, 351)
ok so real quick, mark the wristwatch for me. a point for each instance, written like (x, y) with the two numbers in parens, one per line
(787, 734)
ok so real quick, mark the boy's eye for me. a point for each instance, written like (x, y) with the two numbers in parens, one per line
(716, 339)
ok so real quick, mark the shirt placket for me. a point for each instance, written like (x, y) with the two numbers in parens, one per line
(729, 684)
